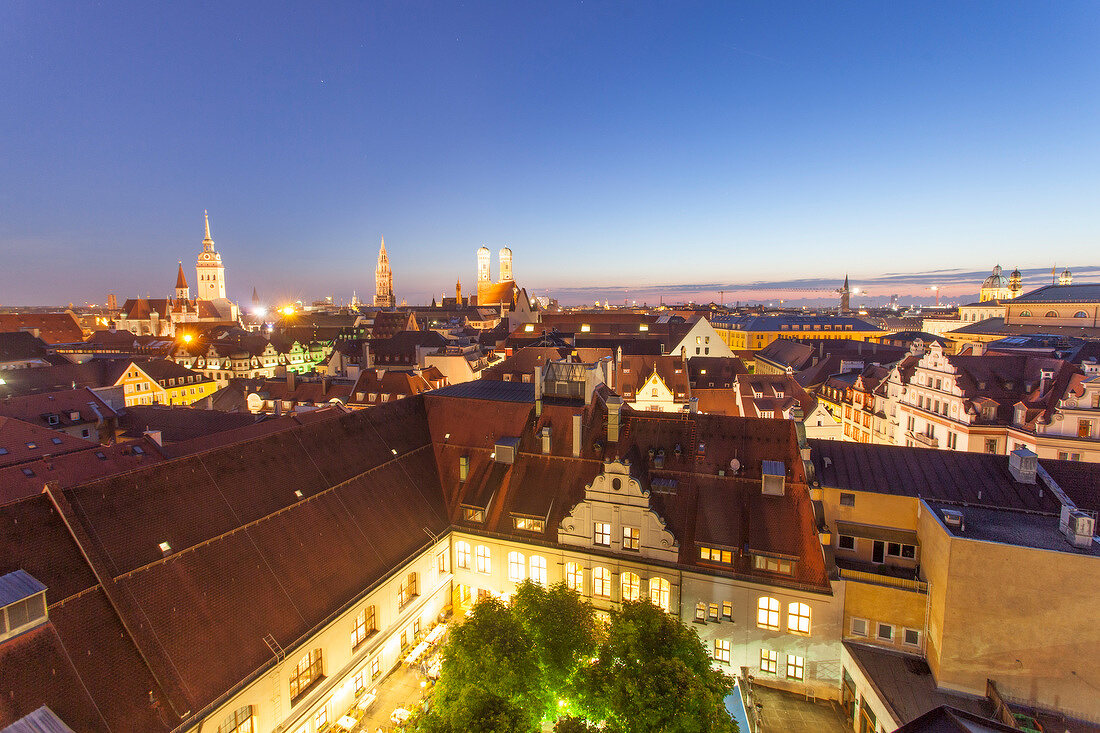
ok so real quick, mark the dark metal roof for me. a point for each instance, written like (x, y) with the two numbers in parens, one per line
(485, 389)
(17, 585)
(1062, 294)
(953, 476)
(41, 720)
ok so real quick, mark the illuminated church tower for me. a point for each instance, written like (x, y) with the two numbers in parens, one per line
(209, 268)
(182, 291)
(383, 280)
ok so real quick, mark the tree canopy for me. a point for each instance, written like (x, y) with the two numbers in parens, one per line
(546, 656)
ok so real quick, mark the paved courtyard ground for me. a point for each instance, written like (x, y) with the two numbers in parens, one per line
(787, 712)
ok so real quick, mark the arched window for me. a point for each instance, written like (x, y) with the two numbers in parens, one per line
(1025, 314)
(462, 555)
(239, 721)
(1080, 314)
(1052, 314)
(601, 582)
(484, 559)
(308, 670)
(574, 576)
(631, 586)
(538, 569)
(659, 593)
(798, 618)
(767, 613)
(516, 566)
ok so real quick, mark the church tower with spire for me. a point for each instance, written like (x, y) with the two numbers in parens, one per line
(182, 291)
(209, 268)
(383, 280)
(845, 297)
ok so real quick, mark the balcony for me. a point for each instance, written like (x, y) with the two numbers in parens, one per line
(926, 440)
(881, 575)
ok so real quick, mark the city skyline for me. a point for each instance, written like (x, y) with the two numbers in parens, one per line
(642, 148)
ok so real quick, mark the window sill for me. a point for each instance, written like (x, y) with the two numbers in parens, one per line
(306, 690)
(363, 643)
(406, 604)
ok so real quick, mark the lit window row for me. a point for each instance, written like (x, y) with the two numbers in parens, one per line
(795, 668)
(768, 612)
(630, 585)
(713, 554)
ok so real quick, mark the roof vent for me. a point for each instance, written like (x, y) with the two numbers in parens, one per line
(1080, 529)
(23, 599)
(774, 478)
(1022, 465)
(953, 518)
(504, 450)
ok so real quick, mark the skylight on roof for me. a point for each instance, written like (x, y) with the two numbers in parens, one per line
(165, 547)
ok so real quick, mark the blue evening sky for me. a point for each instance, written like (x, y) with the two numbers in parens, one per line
(619, 149)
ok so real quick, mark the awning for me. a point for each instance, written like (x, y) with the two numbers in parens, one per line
(874, 532)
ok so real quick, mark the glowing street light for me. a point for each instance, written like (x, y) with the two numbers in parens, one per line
(187, 338)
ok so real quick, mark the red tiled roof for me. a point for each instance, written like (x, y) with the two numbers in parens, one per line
(53, 328)
(61, 405)
(21, 442)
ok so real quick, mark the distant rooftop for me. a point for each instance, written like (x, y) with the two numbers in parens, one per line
(1008, 527)
(1062, 294)
(483, 389)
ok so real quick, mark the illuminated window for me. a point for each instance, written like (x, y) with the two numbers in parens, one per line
(574, 576)
(773, 564)
(364, 626)
(722, 650)
(701, 612)
(796, 667)
(727, 610)
(602, 534)
(769, 661)
(601, 582)
(375, 669)
(767, 613)
(462, 555)
(712, 554)
(516, 566)
(407, 590)
(320, 718)
(714, 612)
(529, 525)
(360, 682)
(631, 538)
(798, 618)
(239, 721)
(471, 514)
(631, 586)
(441, 562)
(305, 673)
(483, 559)
(538, 569)
(659, 593)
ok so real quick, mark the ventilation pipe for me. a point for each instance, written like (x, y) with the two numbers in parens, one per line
(546, 440)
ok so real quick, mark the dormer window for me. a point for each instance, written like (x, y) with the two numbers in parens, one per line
(24, 603)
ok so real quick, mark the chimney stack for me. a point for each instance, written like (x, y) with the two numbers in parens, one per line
(291, 384)
(538, 391)
(577, 436)
(546, 440)
(614, 410)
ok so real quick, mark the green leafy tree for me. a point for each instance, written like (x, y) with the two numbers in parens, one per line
(490, 671)
(563, 627)
(654, 674)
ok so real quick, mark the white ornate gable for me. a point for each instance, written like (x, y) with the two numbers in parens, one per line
(615, 497)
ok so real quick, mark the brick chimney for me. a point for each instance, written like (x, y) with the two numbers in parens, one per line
(614, 412)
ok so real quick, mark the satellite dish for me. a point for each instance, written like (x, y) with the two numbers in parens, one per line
(735, 465)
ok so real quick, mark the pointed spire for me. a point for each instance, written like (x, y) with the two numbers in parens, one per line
(845, 281)
(181, 281)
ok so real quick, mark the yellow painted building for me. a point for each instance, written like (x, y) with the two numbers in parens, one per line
(161, 382)
(752, 333)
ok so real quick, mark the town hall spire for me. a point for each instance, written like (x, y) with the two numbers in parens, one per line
(383, 279)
